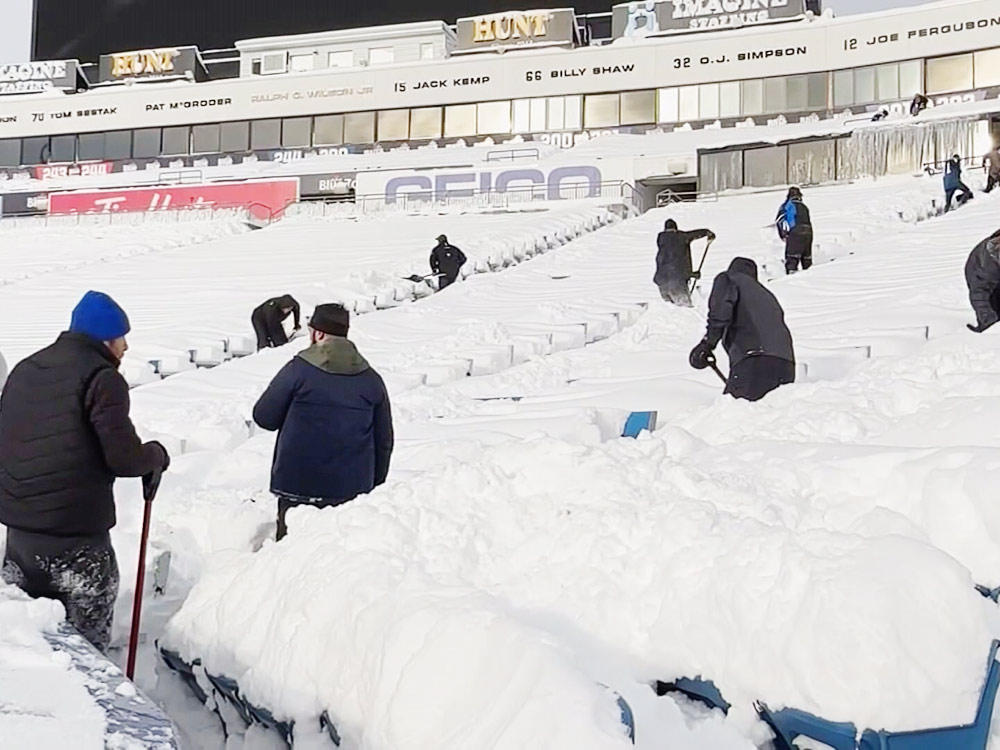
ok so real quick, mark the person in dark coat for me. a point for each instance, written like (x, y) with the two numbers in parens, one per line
(674, 269)
(447, 260)
(918, 105)
(65, 435)
(982, 275)
(268, 317)
(953, 183)
(795, 228)
(748, 320)
(333, 418)
(991, 163)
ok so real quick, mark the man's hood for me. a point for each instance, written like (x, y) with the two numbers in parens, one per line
(745, 266)
(335, 355)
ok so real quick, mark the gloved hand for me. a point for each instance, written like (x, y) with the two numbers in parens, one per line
(164, 456)
(980, 327)
(701, 355)
(711, 236)
(696, 275)
(974, 328)
(151, 483)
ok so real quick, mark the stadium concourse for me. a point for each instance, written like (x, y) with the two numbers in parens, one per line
(524, 565)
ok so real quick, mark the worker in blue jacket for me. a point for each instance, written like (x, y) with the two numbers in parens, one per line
(953, 183)
(334, 423)
(795, 228)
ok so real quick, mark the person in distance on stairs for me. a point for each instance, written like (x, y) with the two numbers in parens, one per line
(953, 183)
(267, 319)
(749, 321)
(334, 423)
(991, 163)
(982, 276)
(795, 228)
(674, 269)
(65, 435)
(446, 260)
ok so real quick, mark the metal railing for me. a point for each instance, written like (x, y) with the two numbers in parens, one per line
(510, 154)
(937, 167)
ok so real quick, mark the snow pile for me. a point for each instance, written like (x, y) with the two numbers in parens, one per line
(43, 701)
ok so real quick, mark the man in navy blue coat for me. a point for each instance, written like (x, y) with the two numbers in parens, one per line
(334, 423)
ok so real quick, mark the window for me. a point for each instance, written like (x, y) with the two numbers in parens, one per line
(729, 99)
(300, 63)
(62, 148)
(425, 122)
(175, 141)
(273, 62)
(668, 105)
(864, 85)
(91, 146)
(818, 94)
(557, 113)
(796, 93)
(522, 115)
(493, 117)
(205, 139)
(574, 112)
(427, 50)
(638, 107)
(722, 171)
(753, 97)
(328, 130)
(887, 82)
(811, 163)
(843, 88)
(35, 150)
(764, 167)
(987, 68)
(911, 78)
(359, 127)
(10, 152)
(118, 144)
(538, 113)
(341, 59)
(296, 132)
(265, 134)
(689, 102)
(775, 96)
(948, 74)
(460, 120)
(394, 125)
(234, 137)
(146, 143)
(600, 110)
(708, 101)
(380, 56)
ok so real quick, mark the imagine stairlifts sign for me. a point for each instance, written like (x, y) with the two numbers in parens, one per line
(651, 17)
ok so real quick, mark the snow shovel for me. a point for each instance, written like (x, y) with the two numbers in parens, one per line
(149, 489)
(697, 274)
(417, 278)
(715, 368)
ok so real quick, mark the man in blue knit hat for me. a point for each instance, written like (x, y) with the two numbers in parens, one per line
(65, 435)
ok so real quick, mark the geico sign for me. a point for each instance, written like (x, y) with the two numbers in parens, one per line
(510, 26)
(700, 8)
(468, 184)
(143, 62)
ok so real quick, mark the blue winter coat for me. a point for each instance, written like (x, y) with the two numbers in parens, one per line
(953, 174)
(334, 424)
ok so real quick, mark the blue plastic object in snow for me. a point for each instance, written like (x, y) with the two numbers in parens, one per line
(790, 723)
(697, 689)
(628, 718)
(637, 422)
(993, 594)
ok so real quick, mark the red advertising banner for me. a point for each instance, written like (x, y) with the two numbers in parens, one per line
(265, 199)
(86, 169)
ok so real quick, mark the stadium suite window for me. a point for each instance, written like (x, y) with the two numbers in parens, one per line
(10, 152)
(146, 143)
(341, 59)
(176, 141)
(796, 93)
(234, 137)
(887, 82)
(493, 118)
(91, 146)
(302, 62)
(359, 127)
(864, 85)
(843, 88)
(35, 150)
(381, 56)
(753, 97)
(205, 139)
(639, 107)
(425, 122)
(118, 144)
(775, 96)
(689, 101)
(296, 132)
(394, 125)
(708, 101)
(328, 130)
(764, 167)
(460, 120)
(601, 110)
(265, 135)
(62, 148)
(668, 105)
(949, 74)
(987, 68)
(729, 99)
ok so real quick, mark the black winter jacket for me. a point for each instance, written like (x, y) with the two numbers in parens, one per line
(673, 256)
(982, 275)
(334, 424)
(447, 259)
(65, 434)
(746, 317)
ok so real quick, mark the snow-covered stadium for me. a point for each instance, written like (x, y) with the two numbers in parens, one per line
(581, 541)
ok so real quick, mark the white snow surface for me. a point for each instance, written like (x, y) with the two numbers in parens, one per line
(817, 549)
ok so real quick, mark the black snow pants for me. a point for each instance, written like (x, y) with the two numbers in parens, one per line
(269, 331)
(992, 181)
(285, 502)
(447, 278)
(79, 571)
(676, 292)
(799, 250)
(755, 377)
(965, 197)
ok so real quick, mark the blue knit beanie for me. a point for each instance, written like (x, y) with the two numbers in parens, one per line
(100, 317)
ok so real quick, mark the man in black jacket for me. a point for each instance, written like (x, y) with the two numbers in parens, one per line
(446, 260)
(65, 434)
(334, 423)
(795, 228)
(268, 317)
(674, 269)
(982, 275)
(747, 318)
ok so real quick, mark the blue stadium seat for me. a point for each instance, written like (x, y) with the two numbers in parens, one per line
(697, 689)
(637, 422)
